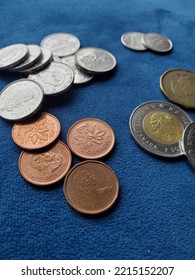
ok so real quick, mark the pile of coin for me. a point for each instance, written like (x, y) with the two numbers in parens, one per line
(138, 41)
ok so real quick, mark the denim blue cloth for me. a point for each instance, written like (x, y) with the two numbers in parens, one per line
(154, 215)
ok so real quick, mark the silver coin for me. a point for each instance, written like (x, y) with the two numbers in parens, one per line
(56, 58)
(188, 143)
(34, 55)
(41, 63)
(158, 127)
(79, 76)
(61, 44)
(95, 60)
(55, 79)
(133, 41)
(157, 42)
(13, 55)
(20, 100)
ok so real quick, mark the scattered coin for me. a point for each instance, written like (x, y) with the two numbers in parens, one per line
(90, 138)
(91, 187)
(55, 79)
(158, 127)
(37, 133)
(179, 87)
(79, 76)
(188, 143)
(45, 168)
(20, 100)
(133, 41)
(157, 42)
(13, 55)
(95, 60)
(61, 44)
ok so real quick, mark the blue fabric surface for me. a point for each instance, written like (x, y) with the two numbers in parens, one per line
(154, 216)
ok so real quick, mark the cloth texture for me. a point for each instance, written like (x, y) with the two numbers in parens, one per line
(154, 215)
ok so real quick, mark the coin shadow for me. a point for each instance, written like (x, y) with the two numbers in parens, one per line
(99, 78)
(9, 77)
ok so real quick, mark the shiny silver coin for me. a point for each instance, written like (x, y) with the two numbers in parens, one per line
(55, 79)
(79, 76)
(133, 41)
(94, 60)
(158, 128)
(61, 44)
(34, 55)
(13, 55)
(188, 143)
(157, 42)
(41, 63)
(20, 100)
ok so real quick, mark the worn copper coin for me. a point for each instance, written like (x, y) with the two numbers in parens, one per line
(45, 168)
(37, 133)
(91, 187)
(90, 138)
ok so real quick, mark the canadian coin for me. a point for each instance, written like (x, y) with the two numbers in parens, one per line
(55, 79)
(90, 138)
(133, 41)
(37, 133)
(34, 55)
(41, 63)
(91, 187)
(20, 100)
(45, 167)
(158, 127)
(157, 42)
(13, 55)
(189, 143)
(95, 60)
(79, 76)
(61, 44)
(179, 87)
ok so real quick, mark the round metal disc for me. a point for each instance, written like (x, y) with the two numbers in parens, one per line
(157, 42)
(133, 41)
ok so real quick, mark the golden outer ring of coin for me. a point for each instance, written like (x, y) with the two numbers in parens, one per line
(78, 208)
(90, 157)
(42, 146)
(53, 181)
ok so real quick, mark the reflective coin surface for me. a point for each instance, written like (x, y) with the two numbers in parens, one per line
(189, 143)
(91, 187)
(90, 138)
(179, 87)
(20, 100)
(95, 60)
(55, 79)
(61, 44)
(45, 168)
(37, 133)
(13, 55)
(157, 42)
(133, 41)
(79, 76)
(158, 127)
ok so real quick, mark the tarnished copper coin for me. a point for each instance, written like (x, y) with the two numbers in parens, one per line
(90, 138)
(91, 187)
(45, 168)
(38, 133)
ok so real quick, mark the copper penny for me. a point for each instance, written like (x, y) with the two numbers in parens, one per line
(91, 187)
(90, 138)
(45, 168)
(38, 133)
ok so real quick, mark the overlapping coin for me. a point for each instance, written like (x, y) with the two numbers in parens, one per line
(158, 127)
(189, 143)
(133, 41)
(157, 42)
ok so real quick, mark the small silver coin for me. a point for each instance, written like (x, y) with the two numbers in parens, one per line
(20, 100)
(41, 63)
(133, 41)
(158, 128)
(13, 55)
(34, 55)
(157, 42)
(55, 79)
(61, 44)
(79, 76)
(95, 60)
(188, 143)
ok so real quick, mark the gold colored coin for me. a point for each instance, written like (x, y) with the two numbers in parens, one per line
(179, 87)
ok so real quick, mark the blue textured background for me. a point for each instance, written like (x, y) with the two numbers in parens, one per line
(154, 216)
